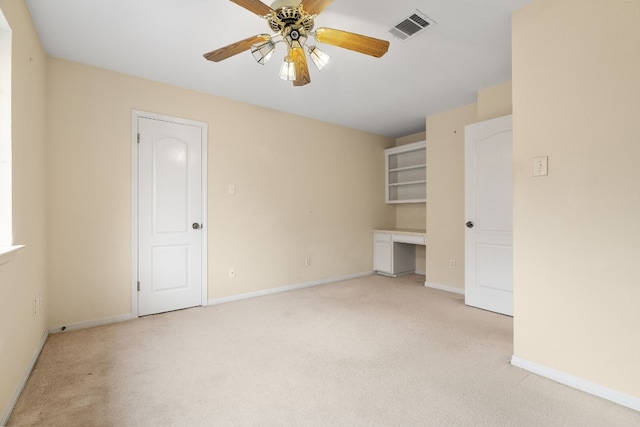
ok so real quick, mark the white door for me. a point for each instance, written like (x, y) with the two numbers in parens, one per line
(489, 215)
(170, 216)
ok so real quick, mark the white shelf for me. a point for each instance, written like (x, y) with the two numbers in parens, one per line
(408, 183)
(406, 168)
(406, 173)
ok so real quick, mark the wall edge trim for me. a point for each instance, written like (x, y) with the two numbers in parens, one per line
(444, 288)
(273, 291)
(91, 323)
(614, 396)
(25, 378)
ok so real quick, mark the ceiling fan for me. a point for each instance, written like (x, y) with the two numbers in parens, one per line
(292, 22)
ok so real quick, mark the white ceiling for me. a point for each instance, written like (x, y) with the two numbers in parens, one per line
(468, 49)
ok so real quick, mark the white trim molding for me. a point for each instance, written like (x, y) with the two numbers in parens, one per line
(444, 288)
(285, 288)
(91, 323)
(23, 382)
(7, 253)
(623, 399)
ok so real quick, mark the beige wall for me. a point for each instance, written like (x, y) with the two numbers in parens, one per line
(445, 182)
(445, 190)
(577, 255)
(303, 188)
(24, 278)
(408, 139)
(495, 101)
(413, 216)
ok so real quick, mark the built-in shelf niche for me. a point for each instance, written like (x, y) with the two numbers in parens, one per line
(406, 173)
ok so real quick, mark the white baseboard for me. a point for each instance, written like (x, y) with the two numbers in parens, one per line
(577, 383)
(285, 289)
(23, 382)
(91, 324)
(125, 317)
(444, 288)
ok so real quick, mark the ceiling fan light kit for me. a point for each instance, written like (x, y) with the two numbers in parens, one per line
(319, 58)
(288, 71)
(262, 52)
(292, 21)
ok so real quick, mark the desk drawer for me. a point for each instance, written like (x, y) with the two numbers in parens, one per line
(406, 238)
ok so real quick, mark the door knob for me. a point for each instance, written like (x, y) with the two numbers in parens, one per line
(469, 224)
(196, 226)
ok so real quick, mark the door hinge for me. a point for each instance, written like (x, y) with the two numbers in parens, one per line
(138, 138)
(138, 286)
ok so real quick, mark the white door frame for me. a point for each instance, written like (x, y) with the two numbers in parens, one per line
(135, 115)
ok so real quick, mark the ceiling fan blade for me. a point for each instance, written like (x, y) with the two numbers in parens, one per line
(314, 7)
(352, 41)
(302, 70)
(255, 6)
(235, 48)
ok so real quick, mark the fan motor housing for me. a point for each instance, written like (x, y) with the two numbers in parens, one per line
(287, 16)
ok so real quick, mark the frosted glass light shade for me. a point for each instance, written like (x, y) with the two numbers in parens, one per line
(319, 57)
(262, 52)
(288, 70)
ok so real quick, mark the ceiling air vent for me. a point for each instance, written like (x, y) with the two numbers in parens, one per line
(412, 26)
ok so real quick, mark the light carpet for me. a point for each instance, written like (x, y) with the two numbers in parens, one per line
(372, 351)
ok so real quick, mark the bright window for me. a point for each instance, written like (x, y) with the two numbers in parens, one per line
(6, 237)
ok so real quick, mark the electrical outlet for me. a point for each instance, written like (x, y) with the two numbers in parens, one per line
(307, 261)
(541, 166)
(452, 263)
(232, 273)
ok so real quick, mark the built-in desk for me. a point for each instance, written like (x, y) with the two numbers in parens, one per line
(394, 250)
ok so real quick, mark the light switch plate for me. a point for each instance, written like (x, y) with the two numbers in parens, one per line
(541, 166)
